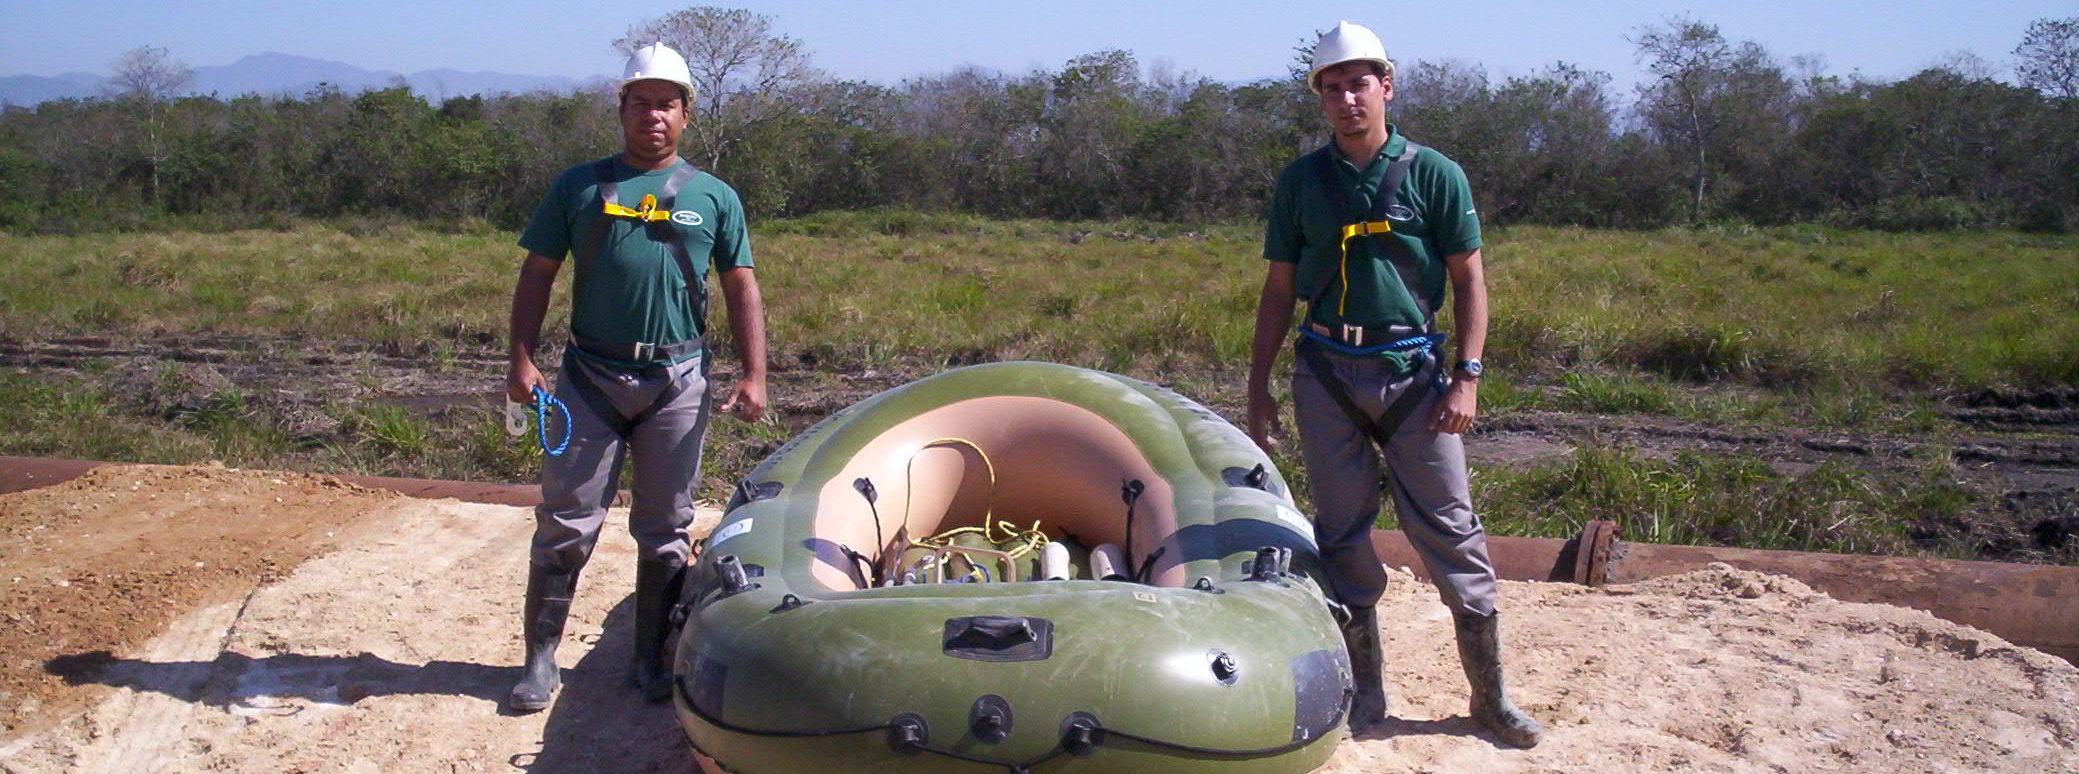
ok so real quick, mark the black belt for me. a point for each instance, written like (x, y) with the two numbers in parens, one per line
(638, 352)
(1360, 336)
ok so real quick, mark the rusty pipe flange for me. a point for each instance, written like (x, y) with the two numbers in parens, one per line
(1594, 550)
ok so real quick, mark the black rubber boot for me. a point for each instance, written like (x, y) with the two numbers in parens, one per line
(1368, 705)
(541, 624)
(1479, 650)
(656, 590)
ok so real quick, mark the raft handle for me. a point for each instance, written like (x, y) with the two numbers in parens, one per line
(789, 602)
(1000, 638)
(1253, 478)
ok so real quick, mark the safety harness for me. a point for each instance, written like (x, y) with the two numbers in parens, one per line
(653, 217)
(1422, 347)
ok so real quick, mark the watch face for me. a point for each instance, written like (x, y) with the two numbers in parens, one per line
(1471, 368)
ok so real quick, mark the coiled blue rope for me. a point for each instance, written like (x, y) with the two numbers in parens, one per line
(543, 401)
(1429, 344)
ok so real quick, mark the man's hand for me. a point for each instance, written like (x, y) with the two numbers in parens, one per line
(1264, 425)
(747, 400)
(1455, 411)
(521, 379)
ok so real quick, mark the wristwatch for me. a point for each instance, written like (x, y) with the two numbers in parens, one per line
(1472, 369)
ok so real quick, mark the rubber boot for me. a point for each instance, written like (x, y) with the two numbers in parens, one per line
(1479, 650)
(656, 590)
(541, 624)
(1367, 668)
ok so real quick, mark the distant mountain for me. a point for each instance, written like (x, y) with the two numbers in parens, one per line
(31, 89)
(275, 74)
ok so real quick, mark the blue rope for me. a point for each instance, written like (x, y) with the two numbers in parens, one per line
(542, 402)
(1428, 344)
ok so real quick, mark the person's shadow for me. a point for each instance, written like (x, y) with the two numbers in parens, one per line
(598, 724)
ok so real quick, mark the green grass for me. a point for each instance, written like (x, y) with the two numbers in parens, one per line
(1737, 500)
(1801, 326)
(1617, 321)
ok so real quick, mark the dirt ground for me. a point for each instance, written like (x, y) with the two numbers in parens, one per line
(333, 629)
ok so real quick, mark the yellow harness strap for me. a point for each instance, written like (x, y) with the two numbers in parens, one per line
(647, 211)
(1350, 232)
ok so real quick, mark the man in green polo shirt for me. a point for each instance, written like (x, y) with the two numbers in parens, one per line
(644, 227)
(1369, 229)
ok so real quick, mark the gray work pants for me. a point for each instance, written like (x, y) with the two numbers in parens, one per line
(577, 487)
(1425, 472)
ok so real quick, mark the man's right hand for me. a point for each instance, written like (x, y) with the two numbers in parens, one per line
(1264, 425)
(521, 379)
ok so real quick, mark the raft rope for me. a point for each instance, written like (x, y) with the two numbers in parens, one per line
(543, 402)
(909, 478)
(1097, 731)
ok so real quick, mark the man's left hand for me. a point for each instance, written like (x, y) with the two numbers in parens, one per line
(746, 401)
(1455, 411)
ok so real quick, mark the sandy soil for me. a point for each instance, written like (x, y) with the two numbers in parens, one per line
(387, 646)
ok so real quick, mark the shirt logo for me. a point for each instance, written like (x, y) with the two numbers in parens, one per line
(1399, 212)
(687, 218)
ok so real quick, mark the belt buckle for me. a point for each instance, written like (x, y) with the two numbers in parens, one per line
(645, 351)
(1353, 335)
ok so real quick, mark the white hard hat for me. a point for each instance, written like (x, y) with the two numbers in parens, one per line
(657, 61)
(1347, 43)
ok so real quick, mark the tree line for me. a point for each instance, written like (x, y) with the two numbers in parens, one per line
(1724, 130)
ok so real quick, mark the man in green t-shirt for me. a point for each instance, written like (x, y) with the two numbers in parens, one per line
(644, 227)
(1368, 230)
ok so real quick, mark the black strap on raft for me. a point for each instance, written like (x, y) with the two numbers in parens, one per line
(1403, 260)
(864, 486)
(1130, 491)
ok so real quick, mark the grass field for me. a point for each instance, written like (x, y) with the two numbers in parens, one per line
(1791, 309)
(1791, 327)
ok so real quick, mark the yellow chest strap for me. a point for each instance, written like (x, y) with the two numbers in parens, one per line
(1353, 231)
(645, 211)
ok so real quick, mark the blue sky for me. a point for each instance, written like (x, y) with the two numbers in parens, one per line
(1228, 40)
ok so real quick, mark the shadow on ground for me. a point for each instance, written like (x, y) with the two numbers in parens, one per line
(598, 724)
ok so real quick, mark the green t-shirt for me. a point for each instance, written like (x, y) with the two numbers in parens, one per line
(1305, 228)
(633, 290)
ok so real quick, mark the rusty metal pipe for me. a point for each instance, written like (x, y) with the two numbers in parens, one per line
(2026, 604)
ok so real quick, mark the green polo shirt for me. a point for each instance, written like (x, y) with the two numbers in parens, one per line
(633, 290)
(1305, 228)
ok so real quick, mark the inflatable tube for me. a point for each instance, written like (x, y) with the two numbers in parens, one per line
(820, 635)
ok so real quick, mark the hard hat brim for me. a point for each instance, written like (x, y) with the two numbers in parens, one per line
(1314, 75)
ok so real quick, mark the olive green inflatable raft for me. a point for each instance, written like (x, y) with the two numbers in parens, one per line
(1119, 583)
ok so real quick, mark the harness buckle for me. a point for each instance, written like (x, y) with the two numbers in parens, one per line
(1353, 335)
(645, 351)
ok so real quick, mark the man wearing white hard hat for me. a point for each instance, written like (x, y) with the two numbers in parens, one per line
(644, 226)
(1369, 230)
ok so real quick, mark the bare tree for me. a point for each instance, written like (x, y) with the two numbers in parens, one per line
(1688, 55)
(148, 76)
(744, 72)
(2049, 54)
